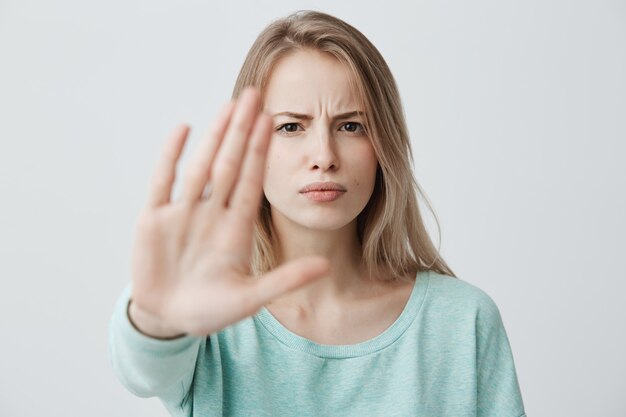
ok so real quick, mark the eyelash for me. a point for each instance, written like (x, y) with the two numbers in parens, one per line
(360, 129)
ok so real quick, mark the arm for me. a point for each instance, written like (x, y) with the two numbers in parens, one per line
(148, 366)
(498, 388)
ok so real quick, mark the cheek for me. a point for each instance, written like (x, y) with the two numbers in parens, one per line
(272, 161)
(276, 169)
(366, 161)
(362, 169)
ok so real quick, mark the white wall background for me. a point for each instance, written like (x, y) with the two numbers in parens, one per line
(517, 111)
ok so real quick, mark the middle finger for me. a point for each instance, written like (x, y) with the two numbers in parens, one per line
(225, 170)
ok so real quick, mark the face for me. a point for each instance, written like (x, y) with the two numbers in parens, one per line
(313, 143)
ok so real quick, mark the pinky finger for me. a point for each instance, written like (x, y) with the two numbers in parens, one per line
(165, 173)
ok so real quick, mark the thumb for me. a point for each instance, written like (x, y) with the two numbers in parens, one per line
(288, 277)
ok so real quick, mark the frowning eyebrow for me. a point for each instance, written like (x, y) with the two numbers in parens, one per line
(308, 117)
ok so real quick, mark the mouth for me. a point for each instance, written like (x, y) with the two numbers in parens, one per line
(323, 196)
(323, 187)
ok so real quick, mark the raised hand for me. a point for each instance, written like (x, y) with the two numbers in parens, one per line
(191, 258)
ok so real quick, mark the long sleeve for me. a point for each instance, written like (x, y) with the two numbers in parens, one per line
(498, 388)
(150, 367)
(446, 355)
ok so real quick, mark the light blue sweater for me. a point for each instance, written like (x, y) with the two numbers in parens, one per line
(447, 354)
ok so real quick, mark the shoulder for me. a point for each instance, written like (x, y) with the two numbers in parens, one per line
(459, 297)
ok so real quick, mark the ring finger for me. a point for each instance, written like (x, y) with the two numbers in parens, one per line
(198, 172)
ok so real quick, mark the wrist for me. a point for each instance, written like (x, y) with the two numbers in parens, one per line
(150, 325)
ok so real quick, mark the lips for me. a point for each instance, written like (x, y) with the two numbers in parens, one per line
(322, 186)
(323, 196)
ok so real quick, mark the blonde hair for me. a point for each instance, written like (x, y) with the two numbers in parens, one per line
(395, 243)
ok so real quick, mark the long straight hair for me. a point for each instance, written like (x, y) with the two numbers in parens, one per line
(395, 243)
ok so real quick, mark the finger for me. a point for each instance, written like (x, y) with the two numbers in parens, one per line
(249, 187)
(225, 170)
(285, 278)
(164, 175)
(198, 172)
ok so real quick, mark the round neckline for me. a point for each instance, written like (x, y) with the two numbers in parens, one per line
(381, 341)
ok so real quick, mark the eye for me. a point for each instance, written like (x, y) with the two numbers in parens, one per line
(354, 127)
(288, 128)
(351, 127)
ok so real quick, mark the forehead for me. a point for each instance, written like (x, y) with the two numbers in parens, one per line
(308, 78)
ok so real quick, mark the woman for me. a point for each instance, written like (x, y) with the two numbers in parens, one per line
(298, 278)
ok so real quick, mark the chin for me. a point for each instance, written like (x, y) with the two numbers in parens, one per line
(321, 221)
(317, 219)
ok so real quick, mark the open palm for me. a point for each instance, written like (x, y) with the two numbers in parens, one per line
(191, 258)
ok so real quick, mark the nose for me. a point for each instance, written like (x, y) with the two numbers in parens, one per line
(324, 155)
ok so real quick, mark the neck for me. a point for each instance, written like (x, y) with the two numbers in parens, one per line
(345, 279)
